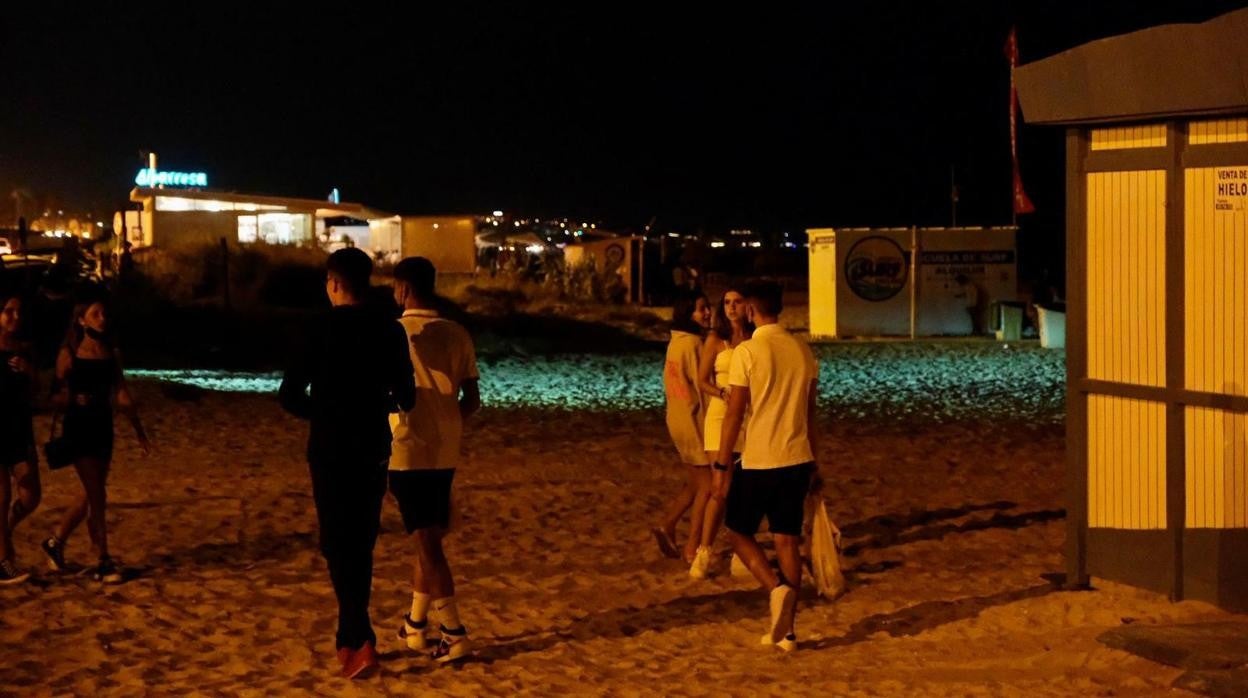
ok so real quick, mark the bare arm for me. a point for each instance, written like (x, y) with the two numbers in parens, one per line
(812, 433)
(706, 366)
(128, 407)
(60, 398)
(812, 424)
(738, 402)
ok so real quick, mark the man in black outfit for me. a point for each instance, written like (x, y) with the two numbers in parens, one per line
(354, 370)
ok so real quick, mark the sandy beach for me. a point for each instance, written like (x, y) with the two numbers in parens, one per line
(951, 514)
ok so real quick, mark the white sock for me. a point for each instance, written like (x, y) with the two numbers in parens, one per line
(447, 613)
(420, 607)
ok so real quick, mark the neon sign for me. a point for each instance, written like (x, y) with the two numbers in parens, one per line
(149, 177)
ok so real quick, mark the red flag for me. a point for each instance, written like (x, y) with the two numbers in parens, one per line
(1022, 204)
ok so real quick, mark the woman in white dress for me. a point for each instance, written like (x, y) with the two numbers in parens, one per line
(730, 328)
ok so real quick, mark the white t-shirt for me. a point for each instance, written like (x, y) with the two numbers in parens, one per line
(443, 357)
(778, 369)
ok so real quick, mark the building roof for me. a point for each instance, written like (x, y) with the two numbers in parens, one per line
(1174, 70)
(322, 208)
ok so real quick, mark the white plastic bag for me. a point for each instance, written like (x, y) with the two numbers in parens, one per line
(825, 552)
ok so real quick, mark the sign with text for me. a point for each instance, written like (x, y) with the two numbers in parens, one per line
(1230, 189)
(148, 177)
(967, 257)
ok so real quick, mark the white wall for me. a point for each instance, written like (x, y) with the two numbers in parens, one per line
(871, 292)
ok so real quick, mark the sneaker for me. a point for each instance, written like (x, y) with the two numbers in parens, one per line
(361, 663)
(701, 566)
(413, 633)
(55, 550)
(738, 568)
(783, 604)
(9, 574)
(453, 646)
(107, 572)
(789, 643)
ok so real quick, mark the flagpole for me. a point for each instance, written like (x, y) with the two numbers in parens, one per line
(953, 195)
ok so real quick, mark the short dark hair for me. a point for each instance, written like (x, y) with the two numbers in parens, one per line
(419, 274)
(352, 268)
(767, 296)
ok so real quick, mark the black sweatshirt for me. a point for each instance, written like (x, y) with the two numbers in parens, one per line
(356, 362)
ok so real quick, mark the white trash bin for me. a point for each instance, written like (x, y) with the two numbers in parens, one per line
(1052, 328)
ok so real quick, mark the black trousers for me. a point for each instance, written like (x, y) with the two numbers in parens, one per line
(348, 498)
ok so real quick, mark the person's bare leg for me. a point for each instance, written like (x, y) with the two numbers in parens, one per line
(789, 555)
(678, 506)
(6, 535)
(431, 573)
(702, 494)
(712, 519)
(94, 476)
(420, 580)
(752, 555)
(73, 516)
(28, 495)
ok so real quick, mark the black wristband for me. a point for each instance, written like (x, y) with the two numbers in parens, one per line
(719, 466)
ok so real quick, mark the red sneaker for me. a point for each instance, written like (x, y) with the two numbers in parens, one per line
(344, 655)
(361, 663)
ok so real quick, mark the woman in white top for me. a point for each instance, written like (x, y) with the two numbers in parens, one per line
(730, 329)
(691, 317)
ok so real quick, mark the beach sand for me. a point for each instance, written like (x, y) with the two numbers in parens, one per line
(949, 525)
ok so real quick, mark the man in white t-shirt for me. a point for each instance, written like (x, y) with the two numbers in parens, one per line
(426, 450)
(772, 375)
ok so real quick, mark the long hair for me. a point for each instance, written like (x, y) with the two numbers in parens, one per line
(5, 297)
(682, 313)
(722, 325)
(75, 334)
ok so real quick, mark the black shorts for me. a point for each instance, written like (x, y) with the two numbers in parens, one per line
(424, 497)
(777, 493)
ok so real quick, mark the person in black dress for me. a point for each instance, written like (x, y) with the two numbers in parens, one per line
(19, 464)
(89, 382)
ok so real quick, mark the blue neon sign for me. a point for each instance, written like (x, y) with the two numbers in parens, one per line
(148, 177)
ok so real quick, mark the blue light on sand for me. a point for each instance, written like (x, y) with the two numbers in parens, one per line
(936, 381)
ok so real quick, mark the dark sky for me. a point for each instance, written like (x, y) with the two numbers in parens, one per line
(826, 113)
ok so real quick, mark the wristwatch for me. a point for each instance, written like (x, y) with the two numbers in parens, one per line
(719, 466)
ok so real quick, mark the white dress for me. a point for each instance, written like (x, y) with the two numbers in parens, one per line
(717, 409)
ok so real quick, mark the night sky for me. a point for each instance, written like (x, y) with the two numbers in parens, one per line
(827, 113)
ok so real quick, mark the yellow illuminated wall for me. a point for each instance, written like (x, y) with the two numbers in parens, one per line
(1124, 137)
(822, 255)
(1217, 468)
(1216, 259)
(1220, 131)
(1126, 271)
(1126, 463)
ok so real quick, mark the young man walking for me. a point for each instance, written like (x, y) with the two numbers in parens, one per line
(353, 371)
(773, 374)
(426, 451)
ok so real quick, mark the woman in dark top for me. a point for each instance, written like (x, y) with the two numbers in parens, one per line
(89, 376)
(19, 466)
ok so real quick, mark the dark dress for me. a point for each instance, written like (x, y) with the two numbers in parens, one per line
(17, 434)
(89, 417)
